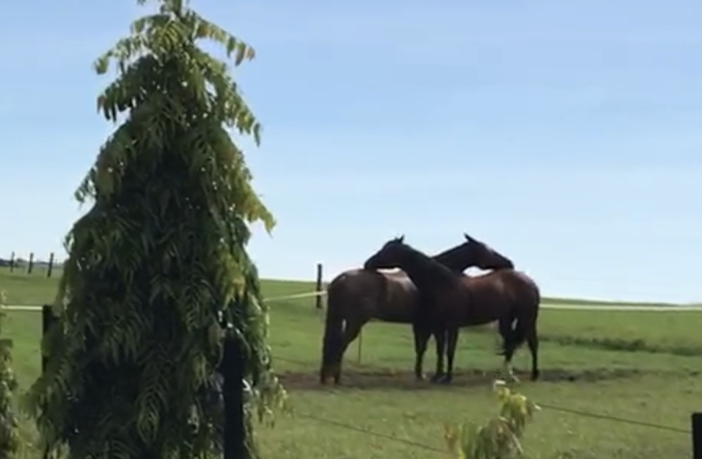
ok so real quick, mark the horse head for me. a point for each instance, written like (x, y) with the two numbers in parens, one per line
(473, 253)
(390, 255)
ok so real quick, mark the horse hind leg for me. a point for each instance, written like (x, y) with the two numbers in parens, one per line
(533, 343)
(351, 331)
(506, 328)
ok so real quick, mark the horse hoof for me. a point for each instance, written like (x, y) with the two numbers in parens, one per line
(446, 380)
(535, 375)
(419, 377)
(437, 378)
(513, 378)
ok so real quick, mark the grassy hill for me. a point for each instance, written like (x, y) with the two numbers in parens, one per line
(37, 289)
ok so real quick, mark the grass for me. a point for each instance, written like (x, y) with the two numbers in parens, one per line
(642, 366)
(24, 289)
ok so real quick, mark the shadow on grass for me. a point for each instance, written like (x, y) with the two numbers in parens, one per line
(386, 379)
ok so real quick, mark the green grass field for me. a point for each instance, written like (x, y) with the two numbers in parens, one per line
(641, 366)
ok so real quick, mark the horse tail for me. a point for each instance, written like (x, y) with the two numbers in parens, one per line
(514, 330)
(333, 327)
(527, 318)
(516, 326)
(520, 331)
(505, 327)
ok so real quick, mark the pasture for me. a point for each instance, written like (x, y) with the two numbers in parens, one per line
(606, 375)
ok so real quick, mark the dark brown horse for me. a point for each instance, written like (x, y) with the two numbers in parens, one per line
(356, 296)
(450, 300)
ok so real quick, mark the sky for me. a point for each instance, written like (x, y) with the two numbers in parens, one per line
(566, 135)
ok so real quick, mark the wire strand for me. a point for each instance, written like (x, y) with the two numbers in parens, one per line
(614, 418)
(372, 433)
(546, 406)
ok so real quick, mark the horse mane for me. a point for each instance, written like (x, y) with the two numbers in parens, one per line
(433, 266)
(451, 260)
(473, 253)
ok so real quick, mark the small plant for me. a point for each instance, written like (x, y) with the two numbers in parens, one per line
(9, 434)
(500, 437)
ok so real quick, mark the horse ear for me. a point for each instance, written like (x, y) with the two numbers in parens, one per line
(468, 238)
(401, 238)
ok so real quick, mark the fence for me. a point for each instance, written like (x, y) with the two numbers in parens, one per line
(32, 264)
(319, 293)
(14, 263)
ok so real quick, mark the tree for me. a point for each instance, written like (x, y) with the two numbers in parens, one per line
(9, 425)
(159, 257)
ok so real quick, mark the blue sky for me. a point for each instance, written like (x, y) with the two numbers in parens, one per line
(565, 134)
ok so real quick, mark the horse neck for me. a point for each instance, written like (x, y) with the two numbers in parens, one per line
(425, 273)
(454, 259)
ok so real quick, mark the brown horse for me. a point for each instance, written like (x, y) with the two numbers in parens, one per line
(450, 300)
(356, 296)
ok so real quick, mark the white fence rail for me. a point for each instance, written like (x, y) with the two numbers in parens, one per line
(564, 307)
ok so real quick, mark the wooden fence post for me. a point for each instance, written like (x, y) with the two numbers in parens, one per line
(30, 265)
(319, 287)
(697, 435)
(47, 320)
(360, 345)
(231, 368)
(51, 265)
(12, 262)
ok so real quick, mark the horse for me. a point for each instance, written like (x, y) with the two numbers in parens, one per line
(356, 296)
(451, 300)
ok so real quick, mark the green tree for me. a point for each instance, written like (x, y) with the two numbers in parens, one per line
(159, 257)
(9, 425)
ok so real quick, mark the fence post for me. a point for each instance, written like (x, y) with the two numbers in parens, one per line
(231, 369)
(47, 320)
(51, 265)
(12, 262)
(697, 435)
(319, 287)
(30, 265)
(360, 345)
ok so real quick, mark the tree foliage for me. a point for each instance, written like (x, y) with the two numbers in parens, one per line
(500, 437)
(9, 425)
(159, 257)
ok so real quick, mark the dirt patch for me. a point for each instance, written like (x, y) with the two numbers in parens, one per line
(403, 380)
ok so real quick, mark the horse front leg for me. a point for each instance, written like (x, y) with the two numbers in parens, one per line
(422, 333)
(451, 342)
(440, 338)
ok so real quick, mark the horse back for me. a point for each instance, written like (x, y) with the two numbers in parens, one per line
(399, 304)
(524, 286)
(505, 282)
(356, 283)
(365, 294)
(500, 292)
